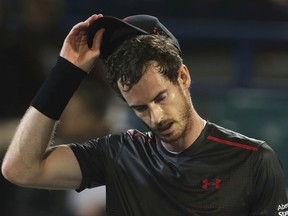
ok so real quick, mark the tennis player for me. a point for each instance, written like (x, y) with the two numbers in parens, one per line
(184, 165)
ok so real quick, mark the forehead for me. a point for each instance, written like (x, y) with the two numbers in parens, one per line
(151, 83)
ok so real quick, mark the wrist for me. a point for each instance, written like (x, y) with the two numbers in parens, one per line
(58, 88)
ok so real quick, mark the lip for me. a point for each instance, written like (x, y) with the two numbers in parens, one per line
(166, 130)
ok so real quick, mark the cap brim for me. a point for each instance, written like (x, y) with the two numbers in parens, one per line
(116, 31)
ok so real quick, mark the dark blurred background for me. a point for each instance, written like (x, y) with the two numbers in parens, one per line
(236, 51)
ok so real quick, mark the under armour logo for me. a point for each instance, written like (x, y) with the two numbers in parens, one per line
(216, 183)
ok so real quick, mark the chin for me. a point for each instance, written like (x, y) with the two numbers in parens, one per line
(171, 138)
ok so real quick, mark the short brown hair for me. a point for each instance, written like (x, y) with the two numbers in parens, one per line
(132, 57)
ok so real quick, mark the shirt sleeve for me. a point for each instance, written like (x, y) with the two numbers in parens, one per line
(95, 157)
(270, 198)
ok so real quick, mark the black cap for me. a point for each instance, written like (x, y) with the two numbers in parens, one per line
(117, 30)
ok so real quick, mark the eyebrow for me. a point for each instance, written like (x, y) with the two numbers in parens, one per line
(155, 98)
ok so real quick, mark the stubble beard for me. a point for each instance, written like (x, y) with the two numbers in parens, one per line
(182, 127)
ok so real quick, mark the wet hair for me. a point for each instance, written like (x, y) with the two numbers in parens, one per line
(133, 57)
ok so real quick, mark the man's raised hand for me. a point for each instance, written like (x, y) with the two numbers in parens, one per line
(75, 48)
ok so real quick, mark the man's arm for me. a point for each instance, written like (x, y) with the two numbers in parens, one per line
(29, 161)
(268, 184)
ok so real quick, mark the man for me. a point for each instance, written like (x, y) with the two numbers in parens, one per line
(184, 166)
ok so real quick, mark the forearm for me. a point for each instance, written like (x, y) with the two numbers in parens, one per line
(24, 160)
(29, 161)
(26, 151)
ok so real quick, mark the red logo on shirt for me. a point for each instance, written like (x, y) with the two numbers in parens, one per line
(206, 183)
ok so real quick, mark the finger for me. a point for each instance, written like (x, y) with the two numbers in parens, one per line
(92, 18)
(97, 40)
(85, 24)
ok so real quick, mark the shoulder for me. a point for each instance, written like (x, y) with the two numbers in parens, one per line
(224, 136)
(261, 151)
(139, 136)
(114, 141)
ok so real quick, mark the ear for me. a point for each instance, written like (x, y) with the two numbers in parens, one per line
(184, 76)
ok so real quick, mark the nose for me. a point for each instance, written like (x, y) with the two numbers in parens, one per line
(156, 114)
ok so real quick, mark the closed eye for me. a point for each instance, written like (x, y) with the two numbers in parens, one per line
(160, 98)
(140, 108)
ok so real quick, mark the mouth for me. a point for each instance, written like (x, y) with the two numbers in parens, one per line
(166, 129)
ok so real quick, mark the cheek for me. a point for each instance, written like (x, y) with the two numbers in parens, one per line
(173, 104)
(180, 107)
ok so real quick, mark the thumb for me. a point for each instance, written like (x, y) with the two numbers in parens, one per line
(97, 40)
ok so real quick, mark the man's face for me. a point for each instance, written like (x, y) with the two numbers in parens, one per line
(163, 106)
